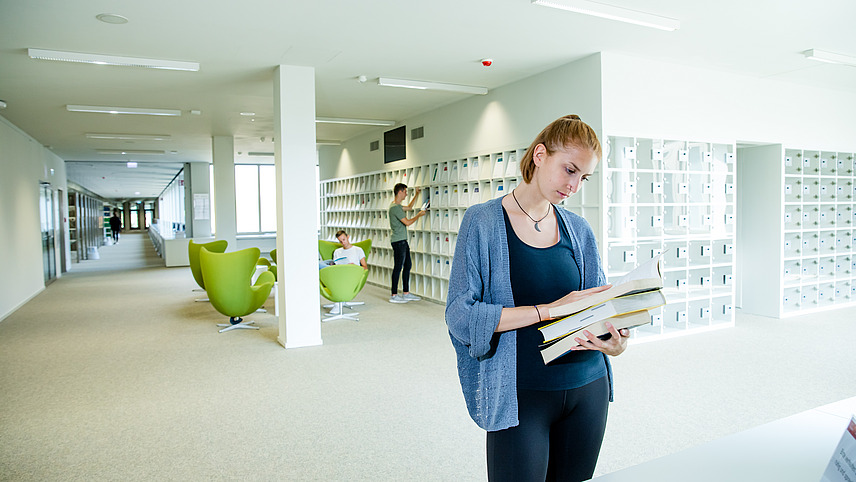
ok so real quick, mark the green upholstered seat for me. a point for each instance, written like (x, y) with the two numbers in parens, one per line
(218, 246)
(342, 283)
(329, 247)
(227, 279)
(326, 248)
(273, 263)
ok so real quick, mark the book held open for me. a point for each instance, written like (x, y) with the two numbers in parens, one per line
(625, 305)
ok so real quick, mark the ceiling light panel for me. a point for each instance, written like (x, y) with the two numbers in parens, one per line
(129, 152)
(122, 110)
(829, 57)
(611, 12)
(129, 137)
(100, 59)
(361, 122)
(424, 85)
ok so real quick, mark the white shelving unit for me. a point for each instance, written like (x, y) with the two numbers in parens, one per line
(360, 205)
(675, 198)
(800, 237)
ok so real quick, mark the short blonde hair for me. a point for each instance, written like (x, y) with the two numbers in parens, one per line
(565, 131)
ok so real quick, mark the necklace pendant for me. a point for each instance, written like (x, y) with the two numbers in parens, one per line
(536, 227)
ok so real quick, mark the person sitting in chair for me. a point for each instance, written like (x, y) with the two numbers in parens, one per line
(348, 253)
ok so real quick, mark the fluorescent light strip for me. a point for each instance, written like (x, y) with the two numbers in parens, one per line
(322, 142)
(423, 85)
(112, 60)
(131, 165)
(612, 12)
(128, 152)
(129, 137)
(361, 122)
(122, 110)
(830, 57)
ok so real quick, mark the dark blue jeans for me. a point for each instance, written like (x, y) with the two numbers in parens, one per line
(401, 259)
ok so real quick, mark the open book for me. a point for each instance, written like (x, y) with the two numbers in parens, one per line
(631, 303)
(555, 349)
(646, 277)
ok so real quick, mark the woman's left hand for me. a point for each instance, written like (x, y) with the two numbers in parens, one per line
(613, 346)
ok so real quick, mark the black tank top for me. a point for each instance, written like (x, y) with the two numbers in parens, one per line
(538, 276)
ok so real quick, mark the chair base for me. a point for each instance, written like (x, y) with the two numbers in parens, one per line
(348, 304)
(341, 315)
(237, 323)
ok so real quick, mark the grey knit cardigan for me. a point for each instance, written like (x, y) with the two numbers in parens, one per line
(479, 287)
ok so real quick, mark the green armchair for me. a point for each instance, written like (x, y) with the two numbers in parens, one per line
(227, 279)
(327, 248)
(218, 246)
(340, 284)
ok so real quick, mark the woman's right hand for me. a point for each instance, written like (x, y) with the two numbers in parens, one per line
(576, 296)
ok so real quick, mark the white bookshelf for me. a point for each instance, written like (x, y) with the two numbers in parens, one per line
(360, 205)
(800, 238)
(676, 198)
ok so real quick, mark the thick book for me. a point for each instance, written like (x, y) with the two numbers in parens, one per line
(646, 277)
(632, 303)
(557, 348)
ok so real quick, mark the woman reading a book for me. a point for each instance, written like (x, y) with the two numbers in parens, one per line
(517, 257)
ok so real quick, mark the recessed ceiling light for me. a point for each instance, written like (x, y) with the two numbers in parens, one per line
(129, 137)
(829, 57)
(423, 85)
(611, 12)
(361, 122)
(113, 18)
(127, 151)
(248, 113)
(131, 165)
(100, 59)
(122, 110)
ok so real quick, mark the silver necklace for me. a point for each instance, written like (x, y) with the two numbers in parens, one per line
(549, 208)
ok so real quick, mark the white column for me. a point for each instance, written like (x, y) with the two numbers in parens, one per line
(197, 183)
(226, 222)
(296, 230)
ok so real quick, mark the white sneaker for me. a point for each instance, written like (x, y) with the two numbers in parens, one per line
(411, 297)
(397, 299)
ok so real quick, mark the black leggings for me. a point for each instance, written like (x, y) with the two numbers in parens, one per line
(401, 258)
(558, 438)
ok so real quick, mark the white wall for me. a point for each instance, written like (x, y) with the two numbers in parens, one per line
(506, 118)
(23, 164)
(647, 98)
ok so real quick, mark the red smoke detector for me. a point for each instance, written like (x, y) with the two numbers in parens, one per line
(487, 62)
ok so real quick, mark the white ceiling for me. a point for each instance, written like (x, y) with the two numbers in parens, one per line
(238, 44)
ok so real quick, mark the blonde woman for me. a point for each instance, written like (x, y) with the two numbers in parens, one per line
(516, 257)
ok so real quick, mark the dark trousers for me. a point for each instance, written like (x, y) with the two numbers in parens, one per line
(558, 438)
(401, 259)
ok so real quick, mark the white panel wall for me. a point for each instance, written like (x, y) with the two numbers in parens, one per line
(506, 118)
(23, 164)
(647, 98)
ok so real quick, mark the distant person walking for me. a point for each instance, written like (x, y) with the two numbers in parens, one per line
(399, 221)
(115, 225)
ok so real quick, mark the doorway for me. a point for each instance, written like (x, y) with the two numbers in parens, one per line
(46, 211)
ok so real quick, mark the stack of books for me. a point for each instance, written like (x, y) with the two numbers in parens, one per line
(626, 305)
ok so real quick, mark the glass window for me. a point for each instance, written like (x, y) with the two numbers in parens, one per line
(247, 198)
(267, 198)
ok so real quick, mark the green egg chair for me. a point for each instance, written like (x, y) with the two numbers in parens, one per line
(273, 263)
(218, 246)
(227, 279)
(340, 284)
(329, 247)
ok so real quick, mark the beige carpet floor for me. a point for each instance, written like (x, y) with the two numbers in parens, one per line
(115, 373)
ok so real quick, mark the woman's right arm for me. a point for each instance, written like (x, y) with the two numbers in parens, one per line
(522, 316)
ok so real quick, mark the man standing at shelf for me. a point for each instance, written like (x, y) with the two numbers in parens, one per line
(399, 221)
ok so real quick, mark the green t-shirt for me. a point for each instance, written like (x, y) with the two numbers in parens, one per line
(399, 230)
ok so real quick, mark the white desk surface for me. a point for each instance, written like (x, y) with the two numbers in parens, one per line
(796, 448)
